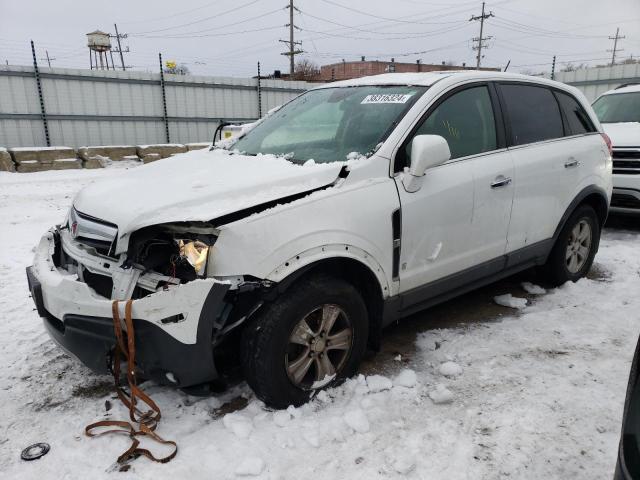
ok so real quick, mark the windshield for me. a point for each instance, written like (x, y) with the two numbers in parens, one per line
(330, 124)
(618, 107)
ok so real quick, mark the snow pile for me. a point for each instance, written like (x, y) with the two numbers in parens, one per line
(357, 420)
(378, 383)
(250, 466)
(533, 289)
(406, 378)
(508, 300)
(441, 394)
(450, 369)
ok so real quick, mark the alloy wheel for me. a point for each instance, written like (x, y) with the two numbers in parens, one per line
(319, 347)
(578, 246)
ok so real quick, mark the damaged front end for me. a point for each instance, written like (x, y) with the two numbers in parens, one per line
(180, 314)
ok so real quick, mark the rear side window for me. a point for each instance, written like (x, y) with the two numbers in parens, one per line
(533, 113)
(578, 120)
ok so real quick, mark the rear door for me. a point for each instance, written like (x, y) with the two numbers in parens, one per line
(546, 166)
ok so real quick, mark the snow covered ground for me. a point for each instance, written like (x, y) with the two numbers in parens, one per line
(536, 393)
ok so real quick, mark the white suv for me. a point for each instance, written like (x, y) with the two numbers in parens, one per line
(619, 113)
(352, 206)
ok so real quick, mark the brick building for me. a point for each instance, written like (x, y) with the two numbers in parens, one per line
(346, 70)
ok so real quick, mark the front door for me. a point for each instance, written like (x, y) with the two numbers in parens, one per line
(459, 218)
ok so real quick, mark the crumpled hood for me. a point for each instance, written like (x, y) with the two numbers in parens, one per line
(625, 134)
(198, 186)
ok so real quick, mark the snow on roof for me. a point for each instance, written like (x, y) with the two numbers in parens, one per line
(429, 78)
(632, 88)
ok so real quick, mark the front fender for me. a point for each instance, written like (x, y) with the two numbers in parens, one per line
(352, 221)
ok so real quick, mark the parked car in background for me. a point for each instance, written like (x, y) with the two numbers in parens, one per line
(619, 113)
(354, 205)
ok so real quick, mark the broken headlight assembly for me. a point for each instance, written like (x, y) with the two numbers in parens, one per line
(179, 251)
(196, 252)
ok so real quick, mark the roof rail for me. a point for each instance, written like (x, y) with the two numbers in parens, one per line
(627, 85)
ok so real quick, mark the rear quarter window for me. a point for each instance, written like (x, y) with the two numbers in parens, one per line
(533, 113)
(577, 118)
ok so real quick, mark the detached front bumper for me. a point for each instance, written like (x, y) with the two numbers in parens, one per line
(173, 327)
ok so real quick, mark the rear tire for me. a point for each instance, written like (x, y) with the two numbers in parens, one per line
(575, 247)
(312, 337)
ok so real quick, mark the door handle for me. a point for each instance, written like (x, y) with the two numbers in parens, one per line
(501, 181)
(572, 162)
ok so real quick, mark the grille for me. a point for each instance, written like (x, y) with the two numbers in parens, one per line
(622, 200)
(626, 162)
(92, 232)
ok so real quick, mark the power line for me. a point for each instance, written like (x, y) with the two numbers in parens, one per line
(217, 28)
(388, 19)
(218, 34)
(615, 46)
(480, 40)
(351, 27)
(404, 37)
(293, 49)
(218, 15)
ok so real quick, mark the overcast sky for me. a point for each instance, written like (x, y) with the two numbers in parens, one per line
(228, 37)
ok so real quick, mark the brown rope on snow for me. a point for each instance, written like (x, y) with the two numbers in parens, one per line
(146, 421)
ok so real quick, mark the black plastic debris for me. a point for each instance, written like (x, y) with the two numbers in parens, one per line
(35, 451)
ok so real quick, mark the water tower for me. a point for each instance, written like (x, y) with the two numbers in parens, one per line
(99, 44)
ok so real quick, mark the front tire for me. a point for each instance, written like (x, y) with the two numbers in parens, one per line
(312, 337)
(575, 248)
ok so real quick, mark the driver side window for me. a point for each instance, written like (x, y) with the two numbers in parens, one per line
(466, 122)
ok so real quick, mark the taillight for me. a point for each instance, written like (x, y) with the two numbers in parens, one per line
(607, 140)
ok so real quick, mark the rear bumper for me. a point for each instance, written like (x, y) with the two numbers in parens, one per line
(173, 328)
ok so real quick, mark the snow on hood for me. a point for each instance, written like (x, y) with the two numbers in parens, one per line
(198, 186)
(625, 134)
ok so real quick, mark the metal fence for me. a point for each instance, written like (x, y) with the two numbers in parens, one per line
(595, 81)
(85, 107)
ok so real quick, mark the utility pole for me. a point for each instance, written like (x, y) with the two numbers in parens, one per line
(481, 39)
(47, 58)
(119, 50)
(293, 51)
(553, 68)
(615, 46)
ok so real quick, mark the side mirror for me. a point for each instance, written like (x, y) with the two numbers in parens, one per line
(427, 151)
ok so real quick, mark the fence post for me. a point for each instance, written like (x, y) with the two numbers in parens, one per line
(259, 94)
(43, 112)
(164, 101)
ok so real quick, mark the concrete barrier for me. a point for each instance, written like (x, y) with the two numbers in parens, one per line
(197, 146)
(37, 159)
(98, 157)
(151, 153)
(6, 163)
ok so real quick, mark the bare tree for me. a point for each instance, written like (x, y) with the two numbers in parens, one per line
(172, 67)
(570, 67)
(306, 70)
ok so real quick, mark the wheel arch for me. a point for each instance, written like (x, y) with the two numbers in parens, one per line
(593, 196)
(357, 273)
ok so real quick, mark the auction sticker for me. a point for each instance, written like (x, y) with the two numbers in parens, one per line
(387, 98)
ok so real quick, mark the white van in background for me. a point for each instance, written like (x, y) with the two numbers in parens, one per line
(619, 113)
